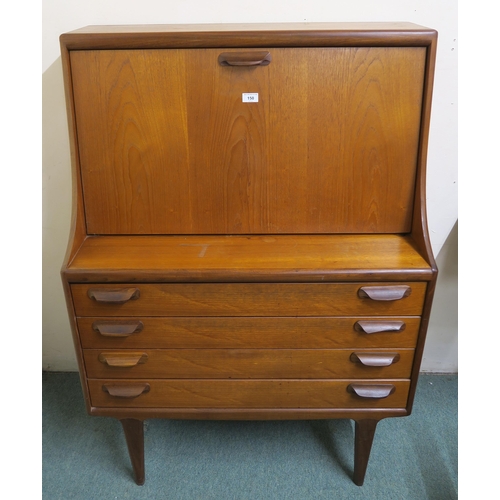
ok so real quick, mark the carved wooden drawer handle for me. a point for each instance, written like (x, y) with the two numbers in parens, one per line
(370, 327)
(123, 359)
(378, 391)
(384, 293)
(114, 329)
(126, 391)
(254, 58)
(375, 358)
(114, 296)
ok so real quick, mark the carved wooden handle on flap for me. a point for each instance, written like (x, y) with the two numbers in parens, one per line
(384, 293)
(117, 329)
(375, 358)
(254, 58)
(114, 296)
(378, 391)
(379, 326)
(123, 359)
(126, 390)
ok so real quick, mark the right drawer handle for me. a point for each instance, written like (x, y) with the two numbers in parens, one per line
(126, 391)
(113, 296)
(114, 329)
(378, 391)
(370, 327)
(384, 293)
(375, 358)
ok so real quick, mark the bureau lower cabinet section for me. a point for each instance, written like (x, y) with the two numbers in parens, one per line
(236, 374)
(249, 237)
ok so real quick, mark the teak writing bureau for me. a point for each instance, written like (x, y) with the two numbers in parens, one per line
(249, 236)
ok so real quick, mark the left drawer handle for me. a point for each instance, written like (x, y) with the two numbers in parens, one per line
(114, 329)
(113, 296)
(123, 359)
(378, 391)
(126, 391)
(375, 358)
(384, 293)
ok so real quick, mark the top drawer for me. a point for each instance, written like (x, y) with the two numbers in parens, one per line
(249, 299)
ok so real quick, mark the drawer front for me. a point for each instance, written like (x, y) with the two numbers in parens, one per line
(249, 363)
(244, 332)
(246, 299)
(153, 393)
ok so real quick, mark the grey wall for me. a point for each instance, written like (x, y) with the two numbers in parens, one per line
(441, 348)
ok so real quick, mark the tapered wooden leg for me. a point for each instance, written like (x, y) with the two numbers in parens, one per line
(134, 434)
(364, 433)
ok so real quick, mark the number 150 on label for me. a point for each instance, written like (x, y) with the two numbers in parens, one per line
(250, 97)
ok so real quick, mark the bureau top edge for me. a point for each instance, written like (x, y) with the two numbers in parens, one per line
(248, 35)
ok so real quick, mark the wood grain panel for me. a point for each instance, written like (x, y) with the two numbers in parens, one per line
(247, 394)
(345, 135)
(262, 333)
(331, 146)
(247, 299)
(228, 154)
(132, 129)
(247, 364)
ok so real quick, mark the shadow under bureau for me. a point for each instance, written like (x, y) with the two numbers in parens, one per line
(249, 235)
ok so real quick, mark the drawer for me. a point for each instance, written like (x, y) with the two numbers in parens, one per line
(249, 299)
(249, 363)
(244, 332)
(155, 393)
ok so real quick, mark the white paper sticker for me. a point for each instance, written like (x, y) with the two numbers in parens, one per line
(250, 97)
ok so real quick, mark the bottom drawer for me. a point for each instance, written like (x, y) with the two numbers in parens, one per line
(249, 393)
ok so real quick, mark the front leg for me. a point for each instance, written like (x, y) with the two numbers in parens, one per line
(364, 433)
(134, 435)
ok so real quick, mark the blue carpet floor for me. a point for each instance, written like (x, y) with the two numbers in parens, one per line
(413, 457)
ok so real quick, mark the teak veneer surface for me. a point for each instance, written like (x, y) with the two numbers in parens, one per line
(313, 155)
(276, 393)
(248, 258)
(241, 332)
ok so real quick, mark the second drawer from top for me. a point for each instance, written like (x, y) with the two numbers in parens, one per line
(249, 299)
(226, 332)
